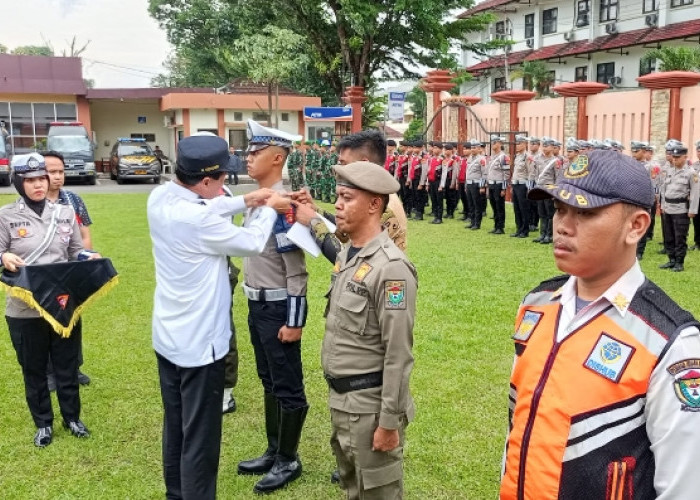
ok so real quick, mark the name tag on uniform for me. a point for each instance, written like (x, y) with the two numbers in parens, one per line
(609, 357)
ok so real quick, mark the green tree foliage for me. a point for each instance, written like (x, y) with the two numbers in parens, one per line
(33, 50)
(3, 49)
(418, 100)
(536, 76)
(347, 41)
(268, 57)
(676, 58)
(415, 130)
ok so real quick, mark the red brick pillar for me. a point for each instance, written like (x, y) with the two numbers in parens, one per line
(435, 82)
(575, 98)
(355, 97)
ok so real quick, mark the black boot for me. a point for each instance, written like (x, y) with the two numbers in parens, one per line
(669, 265)
(264, 463)
(543, 231)
(287, 466)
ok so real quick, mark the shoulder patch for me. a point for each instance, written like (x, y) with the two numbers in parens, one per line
(527, 325)
(395, 294)
(686, 383)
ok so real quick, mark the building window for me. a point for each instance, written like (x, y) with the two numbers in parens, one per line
(285, 117)
(549, 21)
(237, 116)
(680, 3)
(261, 117)
(581, 74)
(530, 26)
(605, 72)
(608, 10)
(28, 123)
(650, 6)
(583, 9)
(148, 137)
(501, 30)
(647, 66)
(499, 83)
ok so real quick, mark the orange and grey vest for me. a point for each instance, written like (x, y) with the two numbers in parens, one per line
(577, 421)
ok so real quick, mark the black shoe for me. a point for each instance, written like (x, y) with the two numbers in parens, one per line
(493, 231)
(474, 228)
(43, 436)
(436, 221)
(450, 216)
(533, 229)
(515, 235)
(668, 265)
(335, 477)
(546, 240)
(229, 406)
(523, 235)
(83, 379)
(51, 380)
(418, 217)
(287, 466)
(264, 463)
(499, 231)
(465, 218)
(538, 239)
(77, 428)
(677, 268)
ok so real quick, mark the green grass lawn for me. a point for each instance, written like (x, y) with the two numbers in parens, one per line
(470, 285)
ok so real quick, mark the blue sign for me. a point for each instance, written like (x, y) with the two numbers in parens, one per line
(397, 96)
(327, 114)
(142, 119)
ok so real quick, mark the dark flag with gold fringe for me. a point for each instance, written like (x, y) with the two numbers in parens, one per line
(60, 292)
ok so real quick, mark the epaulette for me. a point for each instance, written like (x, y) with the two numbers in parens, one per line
(552, 284)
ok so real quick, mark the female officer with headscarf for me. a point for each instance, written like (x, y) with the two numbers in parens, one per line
(35, 231)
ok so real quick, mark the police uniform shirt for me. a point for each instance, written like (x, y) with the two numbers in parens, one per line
(191, 239)
(548, 174)
(681, 184)
(369, 328)
(22, 231)
(520, 168)
(272, 269)
(498, 168)
(676, 448)
(474, 171)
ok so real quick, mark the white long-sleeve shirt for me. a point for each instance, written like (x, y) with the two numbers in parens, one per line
(191, 239)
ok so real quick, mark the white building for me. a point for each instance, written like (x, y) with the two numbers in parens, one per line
(580, 40)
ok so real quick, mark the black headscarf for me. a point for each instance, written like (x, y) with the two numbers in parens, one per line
(37, 206)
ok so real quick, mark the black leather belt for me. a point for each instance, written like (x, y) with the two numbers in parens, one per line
(676, 200)
(354, 382)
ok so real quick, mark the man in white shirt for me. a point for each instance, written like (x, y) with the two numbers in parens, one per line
(192, 235)
(604, 396)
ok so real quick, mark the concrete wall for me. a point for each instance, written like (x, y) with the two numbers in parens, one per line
(620, 115)
(690, 124)
(488, 115)
(542, 117)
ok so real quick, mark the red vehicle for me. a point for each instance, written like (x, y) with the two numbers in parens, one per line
(4, 161)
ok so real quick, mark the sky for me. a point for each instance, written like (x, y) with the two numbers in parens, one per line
(127, 48)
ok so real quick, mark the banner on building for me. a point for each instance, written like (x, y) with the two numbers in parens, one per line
(396, 102)
(329, 114)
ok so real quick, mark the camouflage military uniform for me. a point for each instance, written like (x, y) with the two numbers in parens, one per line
(294, 164)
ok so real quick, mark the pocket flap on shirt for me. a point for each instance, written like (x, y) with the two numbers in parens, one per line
(352, 302)
(381, 476)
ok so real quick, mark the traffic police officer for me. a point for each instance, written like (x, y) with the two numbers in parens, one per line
(497, 177)
(367, 347)
(275, 285)
(521, 205)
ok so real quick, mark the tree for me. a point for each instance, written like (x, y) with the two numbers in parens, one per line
(536, 76)
(348, 41)
(33, 50)
(418, 100)
(676, 58)
(415, 130)
(267, 57)
(3, 49)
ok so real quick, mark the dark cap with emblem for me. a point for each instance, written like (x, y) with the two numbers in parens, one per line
(366, 176)
(28, 165)
(599, 179)
(260, 137)
(202, 155)
(678, 150)
(520, 138)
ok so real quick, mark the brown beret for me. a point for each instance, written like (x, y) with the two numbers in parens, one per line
(367, 176)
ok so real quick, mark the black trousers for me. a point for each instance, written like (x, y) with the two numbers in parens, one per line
(675, 228)
(452, 198)
(436, 198)
(521, 209)
(498, 205)
(462, 190)
(231, 361)
(476, 209)
(545, 209)
(235, 177)
(406, 195)
(650, 231)
(420, 197)
(34, 341)
(191, 428)
(696, 231)
(279, 365)
(534, 213)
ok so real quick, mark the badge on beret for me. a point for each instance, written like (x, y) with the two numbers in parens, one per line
(578, 168)
(686, 383)
(361, 272)
(395, 292)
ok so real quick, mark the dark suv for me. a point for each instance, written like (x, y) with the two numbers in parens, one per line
(133, 159)
(4, 161)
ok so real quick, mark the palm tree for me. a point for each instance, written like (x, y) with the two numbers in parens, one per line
(675, 58)
(536, 76)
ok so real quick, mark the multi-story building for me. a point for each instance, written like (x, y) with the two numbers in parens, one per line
(579, 40)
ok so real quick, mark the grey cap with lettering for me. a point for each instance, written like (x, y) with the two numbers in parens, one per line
(366, 176)
(599, 179)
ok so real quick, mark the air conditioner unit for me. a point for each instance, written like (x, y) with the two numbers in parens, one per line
(530, 42)
(611, 29)
(652, 19)
(569, 35)
(614, 80)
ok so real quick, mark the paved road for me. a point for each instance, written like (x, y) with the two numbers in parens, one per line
(106, 186)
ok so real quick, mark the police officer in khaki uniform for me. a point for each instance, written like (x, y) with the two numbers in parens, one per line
(366, 353)
(679, 195)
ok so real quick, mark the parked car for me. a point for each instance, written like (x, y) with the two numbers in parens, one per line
(4, 162)
(133, 159)
(72, 140)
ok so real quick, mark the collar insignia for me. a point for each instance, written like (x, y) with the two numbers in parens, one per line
(361, 272)
(620, 301)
